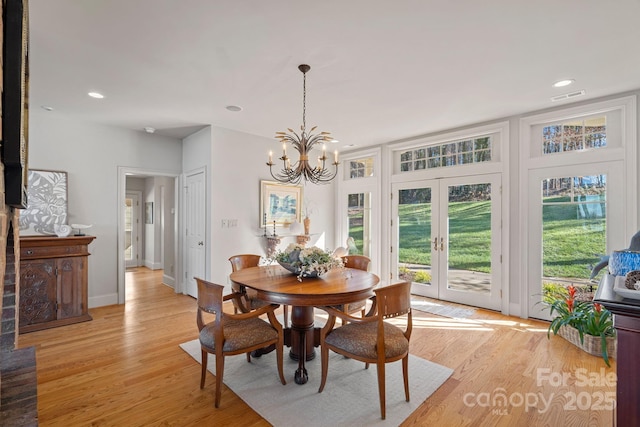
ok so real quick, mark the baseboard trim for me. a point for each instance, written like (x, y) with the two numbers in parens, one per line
(169, 281)
(103, 300)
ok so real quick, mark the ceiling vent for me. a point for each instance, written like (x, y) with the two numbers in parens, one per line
(568, 95)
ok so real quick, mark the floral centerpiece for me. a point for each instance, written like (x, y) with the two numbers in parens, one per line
(306, 262)
(589, 319)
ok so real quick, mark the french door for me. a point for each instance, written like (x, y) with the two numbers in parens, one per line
(447, 238)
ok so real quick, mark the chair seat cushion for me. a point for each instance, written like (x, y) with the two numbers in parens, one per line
(361, 339)
(239, 334)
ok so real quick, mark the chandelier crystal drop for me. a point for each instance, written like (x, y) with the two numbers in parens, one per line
(303, 142)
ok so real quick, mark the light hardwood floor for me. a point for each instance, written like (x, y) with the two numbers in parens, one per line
(124, 368)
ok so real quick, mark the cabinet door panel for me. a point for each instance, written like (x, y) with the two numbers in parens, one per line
(37, 292)
(70, 287)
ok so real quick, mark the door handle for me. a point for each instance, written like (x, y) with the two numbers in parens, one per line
(435, 243)
(200, 243)
(442, 244)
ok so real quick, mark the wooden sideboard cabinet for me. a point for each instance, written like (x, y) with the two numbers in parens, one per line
(626, 320)
(53, 281)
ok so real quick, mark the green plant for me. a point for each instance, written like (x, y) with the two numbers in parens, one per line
(422, 277)
(587, 317)
(405, 273)
(551, 291)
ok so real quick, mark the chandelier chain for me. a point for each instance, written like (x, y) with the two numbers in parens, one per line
(304, 101)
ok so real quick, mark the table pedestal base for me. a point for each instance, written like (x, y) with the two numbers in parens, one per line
(302, 340)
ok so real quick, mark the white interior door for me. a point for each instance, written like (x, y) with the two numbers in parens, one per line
(132, 229)
(447, 238)
(195, 206)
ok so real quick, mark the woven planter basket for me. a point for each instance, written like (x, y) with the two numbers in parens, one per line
(590, 344)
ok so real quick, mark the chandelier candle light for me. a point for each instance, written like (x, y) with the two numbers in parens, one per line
(303, 143)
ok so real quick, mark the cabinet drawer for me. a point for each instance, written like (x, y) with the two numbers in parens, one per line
(53, 251)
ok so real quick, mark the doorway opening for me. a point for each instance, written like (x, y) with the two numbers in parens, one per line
(147, 227)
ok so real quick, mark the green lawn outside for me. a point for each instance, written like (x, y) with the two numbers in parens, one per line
(572, 245)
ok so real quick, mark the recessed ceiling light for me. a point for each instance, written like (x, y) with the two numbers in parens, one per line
(96, 95)
(563, 83)
(46, 108)
(334, 141)
(149, 129)
(234, 108)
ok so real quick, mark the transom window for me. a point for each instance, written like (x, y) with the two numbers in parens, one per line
(575, 135)
(361, 168)
(462, 152)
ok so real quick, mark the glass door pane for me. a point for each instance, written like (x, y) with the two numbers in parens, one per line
(414, 228)
(131, 229)
(470, 227)
(469, 238)
(128, 249)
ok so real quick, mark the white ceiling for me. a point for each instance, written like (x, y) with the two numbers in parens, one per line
(380, 70)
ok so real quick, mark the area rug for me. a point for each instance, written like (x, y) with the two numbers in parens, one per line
(350, 396)
(441, 309)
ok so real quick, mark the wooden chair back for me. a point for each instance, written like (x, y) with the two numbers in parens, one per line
(238, 262)
(360, 262)
(394, 300)
(209, 301)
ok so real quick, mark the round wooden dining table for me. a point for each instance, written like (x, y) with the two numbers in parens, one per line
(277, 285)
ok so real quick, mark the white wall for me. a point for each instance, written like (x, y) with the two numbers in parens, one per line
(235, 163)
(91, 154)
(167, 226)
(238, 163)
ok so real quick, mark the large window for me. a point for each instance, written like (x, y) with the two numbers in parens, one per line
(573, 227)
(359, 205)
(359, 214)
(361, 168)
(462, 152)
(580, 166)
(575, 135)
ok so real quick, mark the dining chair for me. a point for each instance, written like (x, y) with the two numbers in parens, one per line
(250, 300)
(231, 334)
(372, 339)
(360, 262)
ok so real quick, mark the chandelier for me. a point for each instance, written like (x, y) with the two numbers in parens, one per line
(304, 143)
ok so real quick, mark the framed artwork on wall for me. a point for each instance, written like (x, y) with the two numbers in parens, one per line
(47, 202)
(280, 203)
